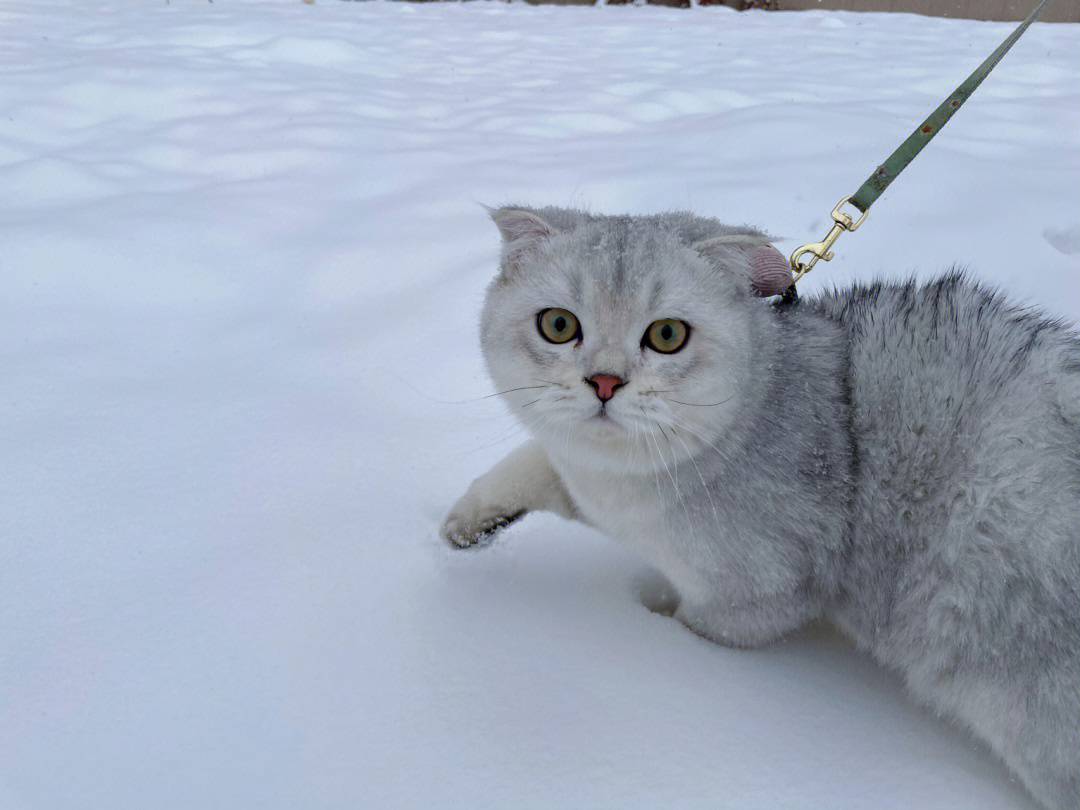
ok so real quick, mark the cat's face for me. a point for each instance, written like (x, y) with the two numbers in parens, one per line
(616, 336)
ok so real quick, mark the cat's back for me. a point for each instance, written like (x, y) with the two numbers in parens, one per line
(964, 336)
(954, 361)
(966, 419)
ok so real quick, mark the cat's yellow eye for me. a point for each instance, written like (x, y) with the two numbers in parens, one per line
(666, 336)
(557, 325)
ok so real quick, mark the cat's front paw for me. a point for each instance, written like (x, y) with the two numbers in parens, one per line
(472, 521)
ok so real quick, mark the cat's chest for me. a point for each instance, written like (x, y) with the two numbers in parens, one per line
(617, 504)
(644, 513)
(639, 509)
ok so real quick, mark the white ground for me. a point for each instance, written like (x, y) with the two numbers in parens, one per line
(242, 257)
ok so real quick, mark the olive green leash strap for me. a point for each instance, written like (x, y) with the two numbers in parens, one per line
(805, 257)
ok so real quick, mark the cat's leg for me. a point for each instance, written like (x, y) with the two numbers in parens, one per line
(1047, 756)
(656, 593)
(522, 482)
(751, 624)
(1029, 713)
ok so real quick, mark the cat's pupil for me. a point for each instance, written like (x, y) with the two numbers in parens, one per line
(560, 324)
(666, 331)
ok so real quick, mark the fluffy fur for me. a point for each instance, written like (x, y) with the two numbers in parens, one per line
(903, 460)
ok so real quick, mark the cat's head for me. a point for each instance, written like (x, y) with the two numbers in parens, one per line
(609, 334)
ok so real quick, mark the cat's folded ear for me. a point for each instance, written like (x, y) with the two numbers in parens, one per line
(750, 257)
(523, 232)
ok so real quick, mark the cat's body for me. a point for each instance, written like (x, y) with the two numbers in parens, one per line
(902, 460)
(964, 571)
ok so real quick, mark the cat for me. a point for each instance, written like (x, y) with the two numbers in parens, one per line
(902, 460)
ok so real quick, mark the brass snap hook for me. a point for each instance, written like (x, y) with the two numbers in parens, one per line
(820, 251)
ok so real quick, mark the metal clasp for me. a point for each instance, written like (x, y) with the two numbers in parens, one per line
(819, 251)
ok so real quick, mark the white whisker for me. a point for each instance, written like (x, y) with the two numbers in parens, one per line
(656, 472)
(700, 404)
(672, 478)
(704, 487)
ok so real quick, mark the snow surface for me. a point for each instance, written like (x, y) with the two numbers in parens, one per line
(242, 263)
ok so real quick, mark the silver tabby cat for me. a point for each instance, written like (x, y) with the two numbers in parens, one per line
(902, 460)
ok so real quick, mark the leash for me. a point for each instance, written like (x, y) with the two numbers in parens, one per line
(804, 258)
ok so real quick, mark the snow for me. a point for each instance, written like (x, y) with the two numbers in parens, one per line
(240, 384)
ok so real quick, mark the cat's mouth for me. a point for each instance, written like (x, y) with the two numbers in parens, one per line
(602, 416)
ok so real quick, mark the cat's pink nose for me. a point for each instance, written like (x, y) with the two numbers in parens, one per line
(605, 385)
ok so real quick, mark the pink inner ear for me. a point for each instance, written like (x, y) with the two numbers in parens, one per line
(770, 273)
